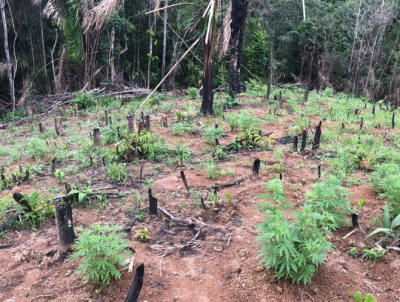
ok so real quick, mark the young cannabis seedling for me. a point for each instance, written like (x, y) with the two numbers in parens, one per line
(143, 235)
(276, 195)
(102, 250)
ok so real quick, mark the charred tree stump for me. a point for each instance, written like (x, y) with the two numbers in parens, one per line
(303, 141)
(57, 126)
(319, 171)
(141, 172)
(76, 109)
(152, 204)
(256, 167)
(165, 121)
(373, 111)
(136, 286)
(131, 121)
(317, 138)
(354, 219)
(393, 116)
(53, 165)
(41, 128)
(147, 123)
(22, 202)
(280, 176)
(361, 123)
(65, 227)
(343, 127)
(217, 141)
(110, 120)
(295, 143)
(203, 204)
(216, 125)
(96, 137)
(118, 133)
(91, 160)
(184, 180)
(106, 117)
(26, 175)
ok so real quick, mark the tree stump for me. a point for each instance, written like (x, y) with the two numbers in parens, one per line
(256, 167)
(317, 138)
(136, 286)
(57, 126)
(65, 227)
(295, 143)
(152, 204)
(131, 121)
(41, 128)
(106, 117)
(303, 141)
(165, 121)
(96, 137)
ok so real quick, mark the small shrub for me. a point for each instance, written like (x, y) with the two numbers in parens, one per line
(213, 171)
(328, 91)
(374, 254)
(60, 175)
(292, 248)
(247, 120)
(143, 235)
(84, 100)
(117, 172)
(179, 128)
(192, 92)
(36, 147)
(330, 197)
(211, 133)
(102, 250)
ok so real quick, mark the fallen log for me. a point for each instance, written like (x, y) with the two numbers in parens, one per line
(235, 183)
(128, 228)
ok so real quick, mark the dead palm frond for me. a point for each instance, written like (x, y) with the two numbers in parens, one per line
(225, 34)
(100, 14)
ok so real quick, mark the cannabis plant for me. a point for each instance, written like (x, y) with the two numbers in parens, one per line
(276, 196)
(293, 248)
(102, 250)
(36, 147)
(211, 133)
(329, 196)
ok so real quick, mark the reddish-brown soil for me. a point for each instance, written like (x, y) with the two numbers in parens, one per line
(226, 267)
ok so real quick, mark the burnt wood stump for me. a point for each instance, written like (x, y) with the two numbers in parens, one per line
(65, 227)
(96, 137)
(152, 204)
(136, 286)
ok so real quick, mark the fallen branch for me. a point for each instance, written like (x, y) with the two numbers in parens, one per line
(168, 250)
(187, 221)
(169, 72)
(235, 183)
(4, 246)
(128, 228)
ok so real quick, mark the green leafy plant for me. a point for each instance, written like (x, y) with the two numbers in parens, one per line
(179, 128)
(60, 175)
(40, 208)
(293, 248)
(387, 227)
(247, 120)
(211, 133)
(232, 121)
(179, 116)
(228, 197)
(83, 194)
(353, 252)
(213, 171)
(368, 298)
(36, 147)
(143, 235)
(328, 91)
(84, 100)
(102, 250)
(117, 172)
(276, 195)
(213, 198)
(192, 91)
(374, 254)
(331, 197)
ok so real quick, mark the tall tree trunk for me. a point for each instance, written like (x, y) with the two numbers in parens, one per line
(238, 16)
(164, 44)
(52, 62)
(208, 64)
(44, 51)
(152, 33)
(111, 57)
(7, 51)
(304, 10)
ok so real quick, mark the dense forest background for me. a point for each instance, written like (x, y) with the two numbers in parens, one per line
(65, 45)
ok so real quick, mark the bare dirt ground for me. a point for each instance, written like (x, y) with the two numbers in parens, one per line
(226, 267)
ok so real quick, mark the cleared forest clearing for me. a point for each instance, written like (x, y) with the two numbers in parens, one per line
(201, 245)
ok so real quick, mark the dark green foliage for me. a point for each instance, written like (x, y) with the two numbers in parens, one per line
(257, 49)
(211, 133)
(83, 100)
